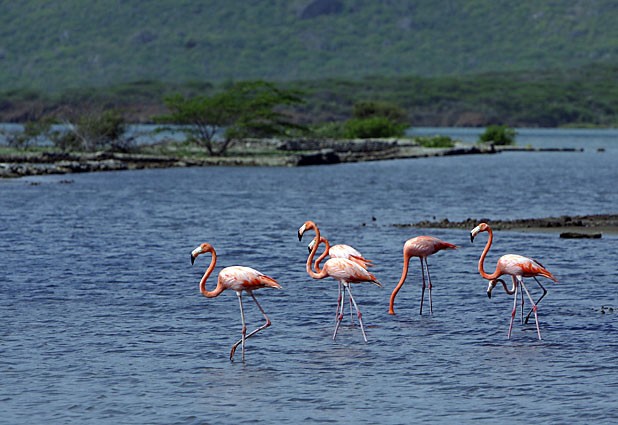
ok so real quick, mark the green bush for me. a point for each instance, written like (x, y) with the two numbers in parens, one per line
(498, 135)
(95, 131)
(373, 127)
(435, 141)
(328, 130)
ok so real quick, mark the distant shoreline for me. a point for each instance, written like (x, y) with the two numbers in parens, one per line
(580, 226)
(264, 153)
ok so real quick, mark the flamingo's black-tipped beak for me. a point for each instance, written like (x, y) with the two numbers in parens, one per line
(192, 259)
(309, 249)
(488, 294)
(471, 237)
(300, 236)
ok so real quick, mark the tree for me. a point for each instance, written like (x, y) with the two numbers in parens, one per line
(94, 130)
(245, 109)
(498, 135)
(372, 127)
(375, 119)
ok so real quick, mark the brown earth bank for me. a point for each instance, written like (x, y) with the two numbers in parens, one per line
(579, 226)
(296, 152)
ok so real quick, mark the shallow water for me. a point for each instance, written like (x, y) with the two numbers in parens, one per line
(102, 320)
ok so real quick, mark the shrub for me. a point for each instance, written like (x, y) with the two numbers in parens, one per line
(498, 135)
(435, 141)
(367, 128)
(95, 131)
(328, 130)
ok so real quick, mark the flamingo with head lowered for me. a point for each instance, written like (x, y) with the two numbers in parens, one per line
(344, 270)
(421, 247)
(238, 279)
(518, 267)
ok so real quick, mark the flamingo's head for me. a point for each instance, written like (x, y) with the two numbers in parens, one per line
(492, 285)
(205, 247)
(483, 227)
(305, 227)
(312, 244)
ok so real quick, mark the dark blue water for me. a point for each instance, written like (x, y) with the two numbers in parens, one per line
(102, 320)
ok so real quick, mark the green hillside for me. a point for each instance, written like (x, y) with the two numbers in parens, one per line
(50, 46)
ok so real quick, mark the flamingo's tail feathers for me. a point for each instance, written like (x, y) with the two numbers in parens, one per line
(361, 261)
(448, 245)
(269, 282)
(544, 272)
(374, 280)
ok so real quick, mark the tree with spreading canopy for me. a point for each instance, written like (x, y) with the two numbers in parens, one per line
(241, 110)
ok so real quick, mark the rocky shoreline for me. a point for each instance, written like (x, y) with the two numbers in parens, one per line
(571, 227)
(248, 153)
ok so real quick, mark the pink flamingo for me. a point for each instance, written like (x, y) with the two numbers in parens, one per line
(517, 267)
(422, 247)
(238, 279)
(343, 270)
(339, 251)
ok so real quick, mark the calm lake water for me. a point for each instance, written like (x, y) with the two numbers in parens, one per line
(103, 322)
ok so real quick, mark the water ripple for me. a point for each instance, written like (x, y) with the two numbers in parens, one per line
(103, 321)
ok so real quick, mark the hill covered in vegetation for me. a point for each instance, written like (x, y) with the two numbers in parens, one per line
(54, 45)
(586, 96)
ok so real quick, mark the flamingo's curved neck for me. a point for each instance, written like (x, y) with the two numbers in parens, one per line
(404, 274)
(506, 289)
(482, 271)
(320, 274)
(316, 265)
(211, 267)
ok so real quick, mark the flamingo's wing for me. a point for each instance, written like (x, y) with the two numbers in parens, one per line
(523, 266)
(240, 278)
(347, 270)
(346, 251)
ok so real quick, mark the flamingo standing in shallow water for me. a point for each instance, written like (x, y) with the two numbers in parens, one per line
(422, 247)
(238, 279)
(344, 270)
(339, 251)
(517, 267)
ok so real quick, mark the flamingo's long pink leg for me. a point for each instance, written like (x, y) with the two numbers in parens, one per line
(537, 301)
(243, 332)
(338, 303)
(359, 314)
(351, 312)
(429, 286)
(340, 316)
(513, 313)
(423, 287)
(264, 326)
(522, 308)
(536, 316)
